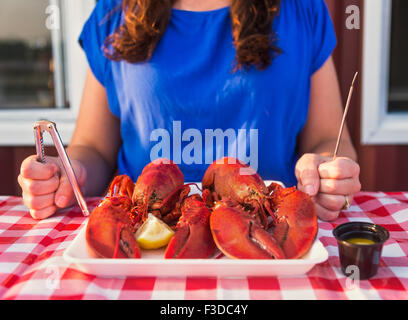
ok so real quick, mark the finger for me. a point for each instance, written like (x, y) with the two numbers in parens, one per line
(64, 195)
(38, 187)
(340, 168)
(331, 202)
(43, 213)
(325, 214)
(32, 169)
(307, 173)
(38, 202)
(340, 187)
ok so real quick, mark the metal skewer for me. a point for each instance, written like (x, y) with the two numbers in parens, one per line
(50, 127)
(343, 121)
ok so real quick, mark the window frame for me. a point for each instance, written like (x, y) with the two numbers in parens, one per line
(16, 126)
(379, 127)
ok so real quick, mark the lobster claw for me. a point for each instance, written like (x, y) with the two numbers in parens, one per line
(297, 220)
(193, 239)
(109, 231)
(239, 236)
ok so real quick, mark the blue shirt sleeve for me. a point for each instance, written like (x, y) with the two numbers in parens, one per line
(324, 36)
(103, 21)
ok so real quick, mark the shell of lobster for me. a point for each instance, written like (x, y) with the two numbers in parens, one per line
(238, 214)
(159, 189)
(241, 204)
(193, 238)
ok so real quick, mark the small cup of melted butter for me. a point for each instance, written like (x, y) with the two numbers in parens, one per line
(361, 241)
(360, 246)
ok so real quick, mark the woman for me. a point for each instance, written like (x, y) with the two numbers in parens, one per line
(254, 67)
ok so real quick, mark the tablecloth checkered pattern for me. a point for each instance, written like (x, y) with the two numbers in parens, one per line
(32, 266)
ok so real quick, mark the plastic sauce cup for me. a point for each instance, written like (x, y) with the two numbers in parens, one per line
(360, 244)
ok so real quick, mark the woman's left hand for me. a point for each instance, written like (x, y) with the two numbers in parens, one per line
(328, 182)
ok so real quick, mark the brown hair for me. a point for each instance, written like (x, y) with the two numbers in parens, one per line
(145, 22)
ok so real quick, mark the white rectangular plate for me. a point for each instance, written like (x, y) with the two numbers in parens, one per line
(152, 264)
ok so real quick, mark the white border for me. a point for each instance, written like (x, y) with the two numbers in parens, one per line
(16, 126)
(379, 126)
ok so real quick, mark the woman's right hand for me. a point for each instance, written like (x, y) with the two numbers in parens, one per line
(46, 187)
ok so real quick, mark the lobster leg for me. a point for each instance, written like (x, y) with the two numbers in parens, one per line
(121, 185)
(193, 239)
(170, 207)
(258, 212)
(239, 236)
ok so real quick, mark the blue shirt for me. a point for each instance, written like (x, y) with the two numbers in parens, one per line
(179, 102)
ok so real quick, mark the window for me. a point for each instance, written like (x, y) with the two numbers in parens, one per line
(398, 84)
(42, 67)
(31, 68)
(385, 70)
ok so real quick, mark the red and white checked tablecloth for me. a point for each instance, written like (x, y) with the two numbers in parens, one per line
(32, 266)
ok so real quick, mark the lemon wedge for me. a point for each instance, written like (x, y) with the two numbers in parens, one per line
(154, 233)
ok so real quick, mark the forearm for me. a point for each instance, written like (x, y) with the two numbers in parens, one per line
(98, 171)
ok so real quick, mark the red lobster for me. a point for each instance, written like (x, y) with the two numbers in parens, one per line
(159, 189)
(111, 225)
(239, 221)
